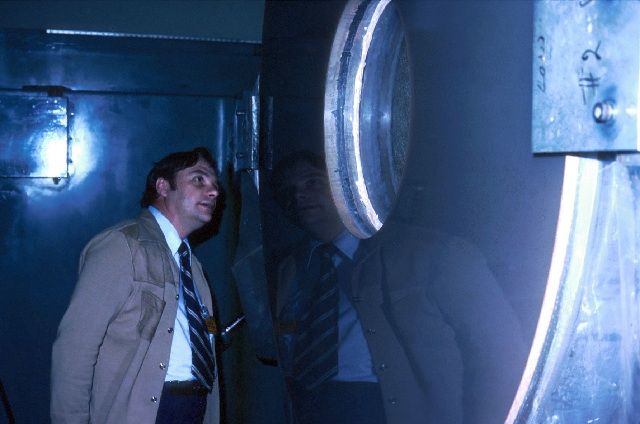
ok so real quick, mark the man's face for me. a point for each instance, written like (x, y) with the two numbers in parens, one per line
(191, 204)
(306, 198)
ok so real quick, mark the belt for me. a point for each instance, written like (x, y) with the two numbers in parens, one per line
(185, 388)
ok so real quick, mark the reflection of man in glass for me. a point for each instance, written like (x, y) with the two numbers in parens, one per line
(406, 327)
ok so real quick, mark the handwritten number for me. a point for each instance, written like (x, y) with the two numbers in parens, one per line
(588, 85)
(590, 81)
(542, 84)
(595, 53)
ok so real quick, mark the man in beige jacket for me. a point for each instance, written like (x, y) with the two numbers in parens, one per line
(135, 344)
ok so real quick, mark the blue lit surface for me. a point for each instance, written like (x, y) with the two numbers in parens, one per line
(585, 55)
(584, 366)
(33, 136)
(128, 103)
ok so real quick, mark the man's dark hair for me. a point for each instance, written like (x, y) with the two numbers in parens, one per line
(168, 167)
(290, 161)
(281, 173)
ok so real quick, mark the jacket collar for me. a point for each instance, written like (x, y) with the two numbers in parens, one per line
(149, 228)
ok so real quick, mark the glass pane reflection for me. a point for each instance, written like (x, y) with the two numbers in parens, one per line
(407, 326)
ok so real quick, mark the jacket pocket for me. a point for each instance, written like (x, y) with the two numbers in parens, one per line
(150, 313)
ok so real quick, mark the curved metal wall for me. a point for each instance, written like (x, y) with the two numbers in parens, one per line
(471, 171)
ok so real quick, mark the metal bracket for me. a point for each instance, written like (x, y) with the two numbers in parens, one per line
(247, 133)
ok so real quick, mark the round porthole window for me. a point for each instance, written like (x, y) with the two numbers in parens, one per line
(366, 113)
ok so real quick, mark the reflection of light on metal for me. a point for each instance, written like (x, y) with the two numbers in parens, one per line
(52, 143)
(219, 148)
(579, 44)
(577, 206)
(366, 113)
(360, 182)
(604, 112)
(81, 160)
(51, 155)
(83, 154)
(105, 34)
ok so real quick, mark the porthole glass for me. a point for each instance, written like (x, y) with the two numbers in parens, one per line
(366, 115)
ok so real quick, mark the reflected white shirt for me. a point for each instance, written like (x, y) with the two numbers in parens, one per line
(354, 358)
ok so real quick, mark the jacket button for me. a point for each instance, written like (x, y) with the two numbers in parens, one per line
(382, 367)
(162, 365)
(371, 331)
(170, 329)
(154, 399)
(393, 401)
(177, 296)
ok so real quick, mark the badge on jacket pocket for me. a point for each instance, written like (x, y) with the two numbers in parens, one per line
(211, 326)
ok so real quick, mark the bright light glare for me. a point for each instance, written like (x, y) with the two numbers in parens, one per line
(53, 161)
(51, 155)
(579, 189)
(83, 154)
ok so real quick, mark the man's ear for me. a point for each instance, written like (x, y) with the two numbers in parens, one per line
(162, 187)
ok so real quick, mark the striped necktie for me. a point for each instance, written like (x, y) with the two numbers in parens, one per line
(316, 353)
(203, 365)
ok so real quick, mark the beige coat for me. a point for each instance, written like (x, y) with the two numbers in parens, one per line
(110, 357)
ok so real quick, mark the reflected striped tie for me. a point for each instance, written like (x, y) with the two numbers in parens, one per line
(203, 365)
(316, 352)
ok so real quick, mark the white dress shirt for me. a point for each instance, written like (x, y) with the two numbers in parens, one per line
(180, 359)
